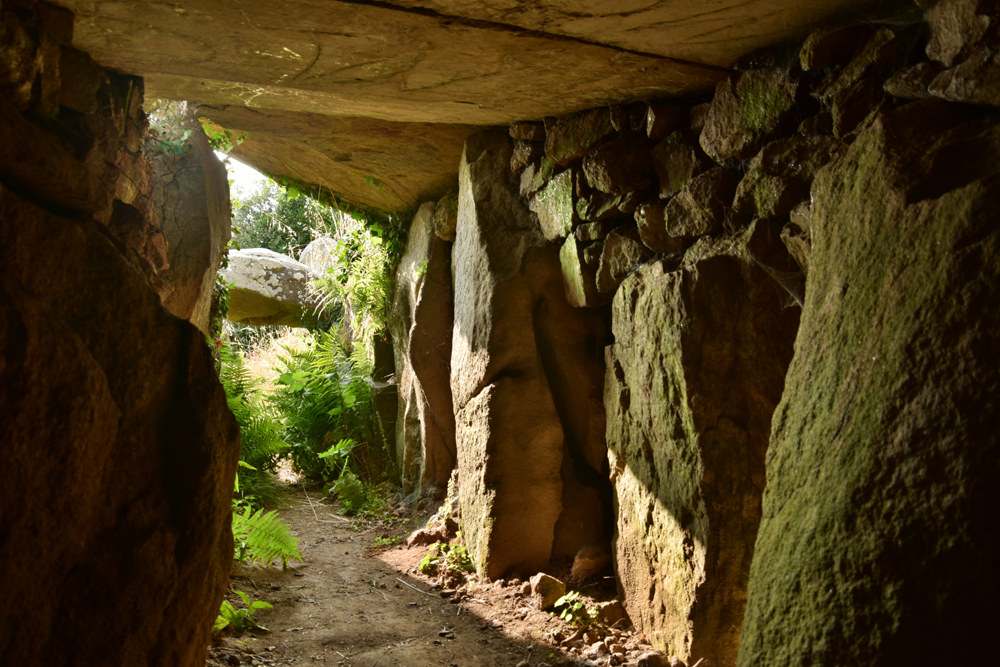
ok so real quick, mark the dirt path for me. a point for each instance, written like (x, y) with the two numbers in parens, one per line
(354, 604)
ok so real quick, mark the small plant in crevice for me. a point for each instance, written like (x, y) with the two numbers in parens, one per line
(573, 610)
(450, 562)
(241, 619)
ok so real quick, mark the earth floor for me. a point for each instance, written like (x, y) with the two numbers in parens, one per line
(359, 599)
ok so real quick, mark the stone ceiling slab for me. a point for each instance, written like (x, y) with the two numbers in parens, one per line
(372, 59)
(366, 162)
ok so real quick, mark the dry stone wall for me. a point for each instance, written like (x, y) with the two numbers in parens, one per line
(119, 447)
(835, 180)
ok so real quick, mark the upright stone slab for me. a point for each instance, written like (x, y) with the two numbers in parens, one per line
(421, 323)
(696, 369)
(525, 379)
(879, 538)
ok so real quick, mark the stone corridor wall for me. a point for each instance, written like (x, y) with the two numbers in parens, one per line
(118, 448)
(845, 181)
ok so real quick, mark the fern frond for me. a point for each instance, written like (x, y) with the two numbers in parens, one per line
(264, 538)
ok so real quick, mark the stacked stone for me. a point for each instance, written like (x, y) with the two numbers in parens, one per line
(680, 213)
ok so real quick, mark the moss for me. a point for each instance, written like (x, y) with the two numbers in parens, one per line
(761, 102)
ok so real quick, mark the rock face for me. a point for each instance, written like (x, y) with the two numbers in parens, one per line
(421, 326)
(525, 380)
(879, 524)
(270, 288)
(191, 199)
(318, 255)
(112, 416)
(697, 367)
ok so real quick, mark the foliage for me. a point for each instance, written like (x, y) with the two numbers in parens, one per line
(331, 423)
(263, 538)
(573, 610)
(219, 139)
(273, 218)
(240, 619)
(381, 542)
(451, 558)
(360, 280)
(261, 444)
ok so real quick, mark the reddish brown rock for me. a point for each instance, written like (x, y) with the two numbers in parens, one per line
(747, 111)
(797, 241)
(976, 80)
(956, 26)
(524, 373)
(191, 199)
(79, 80)
(619, 166)
(621, 253)
(421, 325)
(525, 152)
(571, 136)
(817, 126)
(852, 105)
(546, 590)
(526, 131)
(677, 160)
(778, 177)
(885, 51)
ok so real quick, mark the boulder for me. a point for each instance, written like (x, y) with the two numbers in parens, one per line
(524, 378)
(319, 255)
(912, 82)
(621, 252)
(446, 216)
(677, 160)
(597, 205)
(956, 26)
(834, 45)
(651, 218)
(879, 516)
(701, 207)
(191, 200)
(661, 119)
(421, 325)
(525, 152)
(571, 136)
(696, 369)
(268, 288)
(546, 590)
(976, 80)
(553, 205)
(125, 452)
(579, 278)
(747, 111)
(778, 177)
(619, 166)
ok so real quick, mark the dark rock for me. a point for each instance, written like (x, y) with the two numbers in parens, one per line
(701, 208)
(599, 206)
(882, 396)
(796, 239)
(664, 118)
(610, 612)
(911, 82)
(746, 112)
(834, 46)
(677, 160)
(819, 125)
(421, 325)
(699, 113)
(524, 377)
(446, 216)
(696, 369)
(124, 447)
(852, 105)
(79, 80)
(651, 659)
(619, 166)
(545, 590)
(571, 136)
(591, 560)
(526, 131)
(524, 153)
(768, 251)
(622, 251)
(592, 254)
(652, 221)
(884, 52)
(956, 26)
(595, 231)
(580, 279)
(976, 80)
(779, 176)
(553, 205)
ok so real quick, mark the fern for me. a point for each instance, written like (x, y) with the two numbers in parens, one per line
(263, 538)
